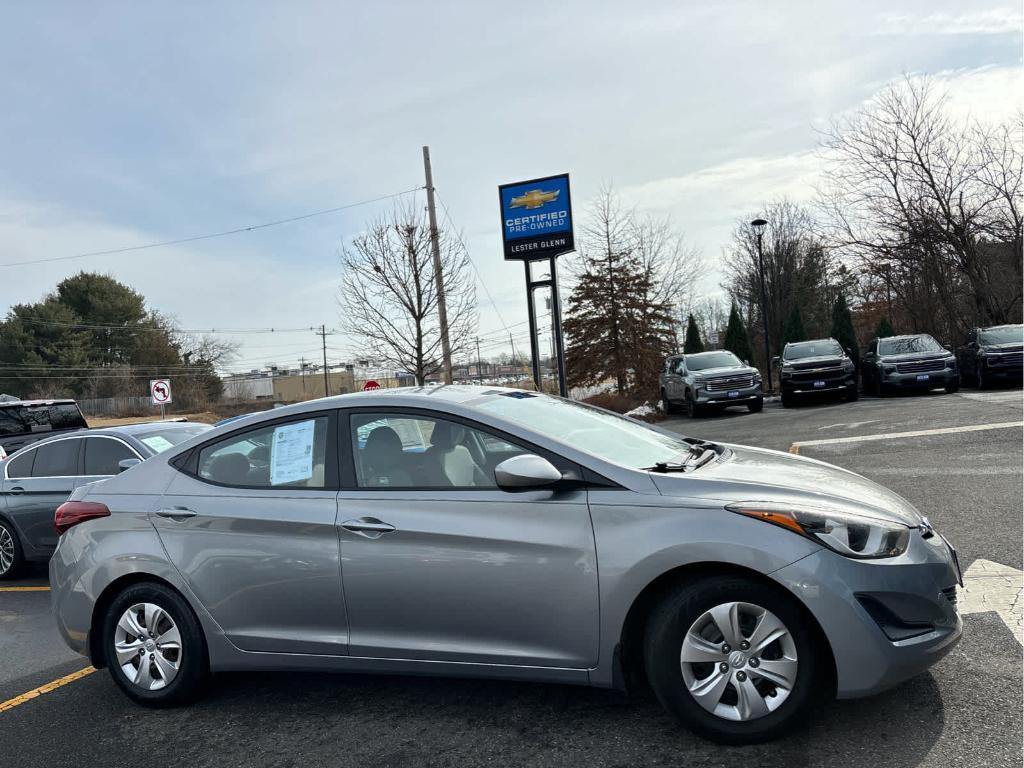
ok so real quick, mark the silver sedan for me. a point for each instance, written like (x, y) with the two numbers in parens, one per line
(492, 532)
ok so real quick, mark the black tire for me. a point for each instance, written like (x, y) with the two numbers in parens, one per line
(979, 379)
(851, 394)
(194, 663)
(757, 406)
(9, 539)
(952, 387)
(880, 390)
(667, 626)
(788, 400)
(693, 410)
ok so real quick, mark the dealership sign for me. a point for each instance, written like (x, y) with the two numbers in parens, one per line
(536, 218)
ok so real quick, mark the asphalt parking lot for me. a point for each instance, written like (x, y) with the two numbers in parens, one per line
(964, 472)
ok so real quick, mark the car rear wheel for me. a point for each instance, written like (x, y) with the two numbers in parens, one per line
(667, 405)
(11, 557)
(154, 646)
(734, 660)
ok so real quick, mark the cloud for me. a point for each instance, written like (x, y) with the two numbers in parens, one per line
(992, 21)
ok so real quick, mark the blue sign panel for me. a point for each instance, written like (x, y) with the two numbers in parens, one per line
(536, 218)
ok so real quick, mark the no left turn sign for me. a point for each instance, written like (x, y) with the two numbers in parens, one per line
(160, 391)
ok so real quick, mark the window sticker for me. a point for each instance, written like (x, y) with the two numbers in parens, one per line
(291, 453)
(158, 443)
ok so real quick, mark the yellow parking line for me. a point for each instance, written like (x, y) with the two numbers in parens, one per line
(795, 448)
(24, 589)
(51, 686)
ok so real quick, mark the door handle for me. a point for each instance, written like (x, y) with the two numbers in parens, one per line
(370, 527)
(16, 490)
(176, 513)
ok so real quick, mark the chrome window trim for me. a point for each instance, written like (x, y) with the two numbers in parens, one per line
(24, 452)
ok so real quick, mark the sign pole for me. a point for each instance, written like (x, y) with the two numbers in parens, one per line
(556, 315)
(532, 314)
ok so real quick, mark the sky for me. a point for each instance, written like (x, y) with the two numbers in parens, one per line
(129, 123)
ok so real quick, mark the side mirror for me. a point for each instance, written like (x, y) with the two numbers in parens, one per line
(526, 473)
(124, 464)
(947, 347)
(776, 361)
(848, 352)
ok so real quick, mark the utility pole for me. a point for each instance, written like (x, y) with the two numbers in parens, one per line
(442, 307)
(479, 363)
(322, 333)
(302, 373)
(759, 225)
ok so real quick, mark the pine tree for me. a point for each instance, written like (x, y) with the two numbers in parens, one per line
(884, 328)
(737, 340)
(794, 329)
(842, 329)
(693, 343)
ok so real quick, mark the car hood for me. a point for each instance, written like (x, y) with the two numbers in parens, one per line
(1013, 346)
(756, 474)
(729, 370)
(915, 356)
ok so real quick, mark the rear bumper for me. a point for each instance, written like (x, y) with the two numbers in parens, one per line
(872, 654)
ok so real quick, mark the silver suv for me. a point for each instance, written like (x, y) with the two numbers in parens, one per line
(707, 380)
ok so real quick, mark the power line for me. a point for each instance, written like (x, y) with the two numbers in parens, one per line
(212, 235)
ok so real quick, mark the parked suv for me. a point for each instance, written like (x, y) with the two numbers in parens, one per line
(992, 354)
(822, 365)
(908, 362)
(707, 380)
(24, 421)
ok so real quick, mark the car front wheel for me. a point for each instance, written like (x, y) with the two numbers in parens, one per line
(154, 646)
(692, 409)
(756, 406)
(734, 660)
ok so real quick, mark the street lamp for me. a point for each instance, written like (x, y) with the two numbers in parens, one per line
(759, 225)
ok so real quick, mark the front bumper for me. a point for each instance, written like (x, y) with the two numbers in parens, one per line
(739, 396)
(1005, 372)
(915, 381)
(914, 591)
(802, 386)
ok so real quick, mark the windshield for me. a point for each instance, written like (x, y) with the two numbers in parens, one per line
(908, 345)
(1006, 334)
(605, 435)
(707, 360)
(159, 440)
(823, 348)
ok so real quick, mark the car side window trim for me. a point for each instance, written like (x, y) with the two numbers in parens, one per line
(116, 439)
(188, 462)
(78, 463)
(347, 470)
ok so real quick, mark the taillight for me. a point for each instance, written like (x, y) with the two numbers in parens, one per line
(71, 513)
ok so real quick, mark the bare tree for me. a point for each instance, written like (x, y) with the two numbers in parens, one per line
(389, 297)
(928, 206)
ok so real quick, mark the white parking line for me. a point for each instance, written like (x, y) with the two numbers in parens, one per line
(915, 433)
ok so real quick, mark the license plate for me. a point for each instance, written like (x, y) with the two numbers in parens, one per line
(734, 393)
(819, 383)
(923, 377)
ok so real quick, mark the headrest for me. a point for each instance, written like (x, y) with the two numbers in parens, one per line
(230, 468)
(383, 448)
(446, 435)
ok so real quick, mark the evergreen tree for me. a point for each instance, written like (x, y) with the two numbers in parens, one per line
(794, 330)
(737, 340)
(884, 328)
(693, 343)
(842, 329)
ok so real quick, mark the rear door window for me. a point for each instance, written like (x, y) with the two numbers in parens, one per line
(21, 466)
(103, 454)
(57, 459)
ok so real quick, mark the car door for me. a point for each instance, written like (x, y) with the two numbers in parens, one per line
(439, 564)
(249, 521)
(35, 484)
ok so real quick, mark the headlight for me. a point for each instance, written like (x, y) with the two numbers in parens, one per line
(951, 362)
(846, 532)
(757, 375)
(848, 365)
(888, 368)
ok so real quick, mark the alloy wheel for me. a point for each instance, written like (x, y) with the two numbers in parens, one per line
(6, 550)
(739, 661)
(147, 644)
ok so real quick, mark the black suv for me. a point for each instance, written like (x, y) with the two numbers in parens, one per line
(25, 421)
(992, 354)
(908, 362)
(819, 366)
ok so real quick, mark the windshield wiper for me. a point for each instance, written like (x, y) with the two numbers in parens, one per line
(699, 455)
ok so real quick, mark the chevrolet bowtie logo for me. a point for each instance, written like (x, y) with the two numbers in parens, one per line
(535, 198)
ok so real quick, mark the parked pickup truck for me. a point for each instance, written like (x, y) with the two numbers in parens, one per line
(709, 381)
(22, 422)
